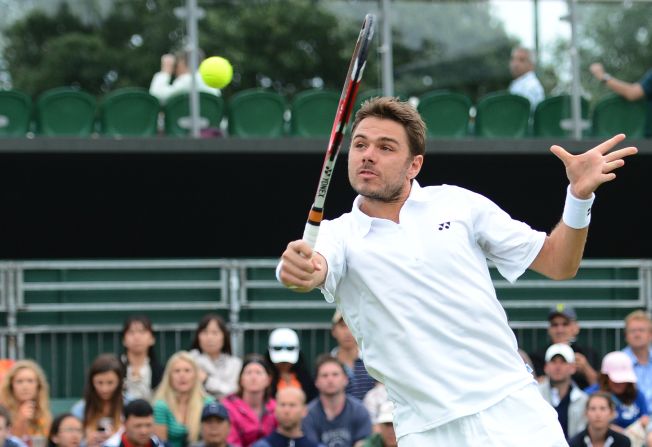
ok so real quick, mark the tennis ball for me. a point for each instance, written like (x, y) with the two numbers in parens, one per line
(216, 72)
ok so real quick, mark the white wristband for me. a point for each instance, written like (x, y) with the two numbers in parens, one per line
(577, 212)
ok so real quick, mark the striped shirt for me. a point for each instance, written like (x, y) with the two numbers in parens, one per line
(359, 379)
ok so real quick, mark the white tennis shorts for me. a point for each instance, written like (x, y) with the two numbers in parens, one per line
(522, 419)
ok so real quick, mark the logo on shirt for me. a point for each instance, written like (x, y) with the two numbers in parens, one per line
(444, 226)
(588, 212)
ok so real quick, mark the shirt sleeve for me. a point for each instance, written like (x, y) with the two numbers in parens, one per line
(512, 245)
(646, 83)
(309, 428)
(331, 247)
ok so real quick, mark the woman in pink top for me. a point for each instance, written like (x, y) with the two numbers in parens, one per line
(251, 409)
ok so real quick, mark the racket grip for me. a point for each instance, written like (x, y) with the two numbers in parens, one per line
(310, 233)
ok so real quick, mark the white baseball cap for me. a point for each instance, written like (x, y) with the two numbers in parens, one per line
(560, 349)
(284, 346)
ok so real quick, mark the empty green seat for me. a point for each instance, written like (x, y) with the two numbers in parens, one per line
(502, 115)
(129, 112)
(177, 113)
(614, 114)
(552, 116)
(257, 113)
(65, 111)
(313, 112)
(15, 113)
(446, 114)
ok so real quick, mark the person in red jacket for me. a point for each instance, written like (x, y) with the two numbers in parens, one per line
(251, 409)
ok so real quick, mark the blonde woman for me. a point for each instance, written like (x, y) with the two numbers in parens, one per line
(178, 402)
(25, 392)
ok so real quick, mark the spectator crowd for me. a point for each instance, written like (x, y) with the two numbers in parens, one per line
(208, 397)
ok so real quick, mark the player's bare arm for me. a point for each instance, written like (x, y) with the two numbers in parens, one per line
(302, 269)
(561, 253)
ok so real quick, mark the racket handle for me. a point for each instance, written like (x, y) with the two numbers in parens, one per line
(310, 233)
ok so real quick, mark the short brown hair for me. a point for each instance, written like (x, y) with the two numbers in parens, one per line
(327, 358)
(639, 315)
(386, 107)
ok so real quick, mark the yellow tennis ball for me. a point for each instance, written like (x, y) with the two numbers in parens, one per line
(216, 72)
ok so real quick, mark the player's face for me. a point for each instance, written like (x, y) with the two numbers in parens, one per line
(380, 163)
(558, 370)
(331, 379)
(560, 329)
(638, 333)
(598, 413)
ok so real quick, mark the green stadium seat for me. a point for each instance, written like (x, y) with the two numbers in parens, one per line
(65, 111)
(552, 116)
(313, 112)
(257, 113)
(129, 112)
(614, 114)
(446, 114)
(177, 113)
(502, 115)
(15, 113)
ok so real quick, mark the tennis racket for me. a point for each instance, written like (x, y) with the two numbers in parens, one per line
(344, 109)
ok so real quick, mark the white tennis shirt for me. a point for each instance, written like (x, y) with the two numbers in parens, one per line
(418, 298)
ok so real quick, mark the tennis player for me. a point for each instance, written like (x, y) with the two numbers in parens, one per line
(407, 267)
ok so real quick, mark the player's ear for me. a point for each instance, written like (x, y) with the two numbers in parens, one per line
(415, 166)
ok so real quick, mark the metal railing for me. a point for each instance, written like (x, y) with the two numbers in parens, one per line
(253, 302)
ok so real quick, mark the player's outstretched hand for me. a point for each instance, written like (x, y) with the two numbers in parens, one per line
(302, 269)
(594, 167)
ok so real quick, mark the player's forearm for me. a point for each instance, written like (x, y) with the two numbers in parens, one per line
(561, 253)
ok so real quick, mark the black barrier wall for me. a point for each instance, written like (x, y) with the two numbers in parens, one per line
(82, 204)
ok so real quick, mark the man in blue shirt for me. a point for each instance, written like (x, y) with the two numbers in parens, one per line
(632, 91)
(334, 418)
(638, 334)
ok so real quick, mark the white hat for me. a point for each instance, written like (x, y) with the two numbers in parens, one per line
(560, 349)
(385, 413)
(619, 367)
(284, 346)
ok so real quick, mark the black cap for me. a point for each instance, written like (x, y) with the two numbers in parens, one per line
(563, 310)
(214, 409)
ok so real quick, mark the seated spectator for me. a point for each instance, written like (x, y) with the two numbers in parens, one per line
(211, 349)
(525, 82)
(215, 426)
(638, 334)
(600, 411)
(5, 429)
(347, 352)
(290, 411)
(386, 437)
(251, 409)
(178, 402)
(142, 371)
(25, 392)
(563, 327)
(373, 401)
(138, 427)
(177, 65)
(617, 377)
(334, 418)
(66, 431)
(559, 390)
(287, 362)
(101, 408)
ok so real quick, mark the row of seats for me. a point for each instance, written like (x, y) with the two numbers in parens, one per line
(262, 113)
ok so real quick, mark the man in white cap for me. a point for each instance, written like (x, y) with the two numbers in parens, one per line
(385, 437)
(559, 390)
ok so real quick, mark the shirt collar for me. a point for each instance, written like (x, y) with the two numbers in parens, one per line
(417, 194)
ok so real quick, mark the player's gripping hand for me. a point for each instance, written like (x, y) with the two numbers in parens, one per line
(302, 269)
